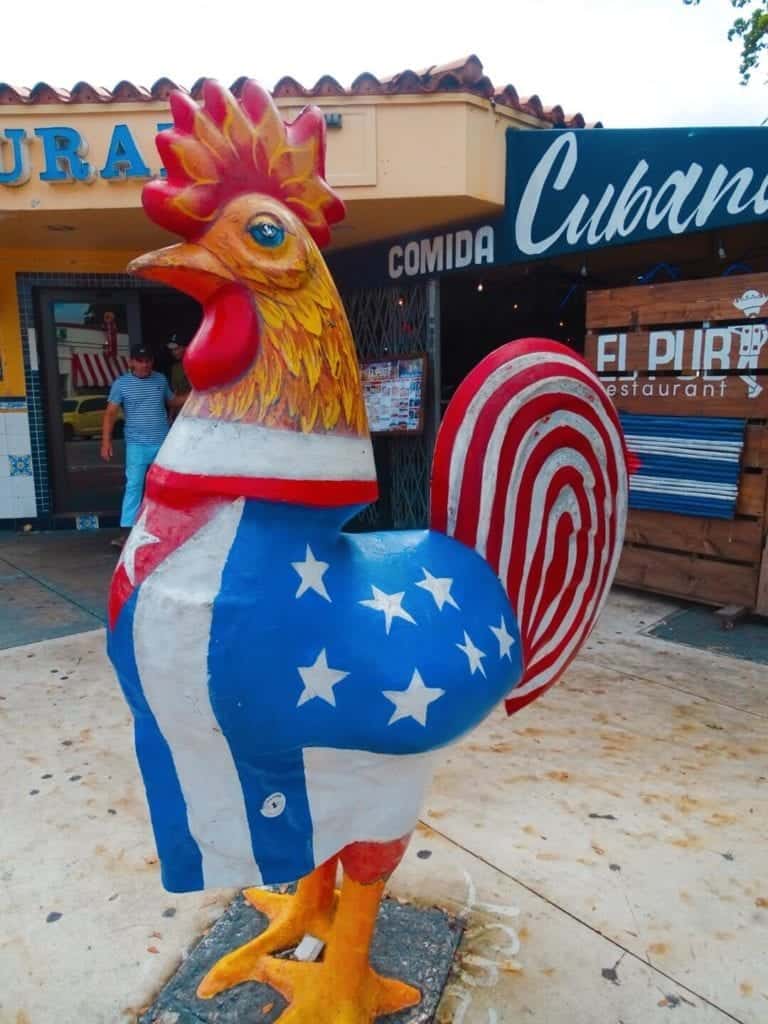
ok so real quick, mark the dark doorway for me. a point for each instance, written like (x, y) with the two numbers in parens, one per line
(478, 314)
(86, 338)
(167, 316)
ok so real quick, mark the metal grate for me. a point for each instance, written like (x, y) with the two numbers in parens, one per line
(386, 322)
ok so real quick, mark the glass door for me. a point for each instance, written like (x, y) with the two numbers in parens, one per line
(87, 336)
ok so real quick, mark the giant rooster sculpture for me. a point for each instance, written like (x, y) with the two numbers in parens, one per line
(292, 684)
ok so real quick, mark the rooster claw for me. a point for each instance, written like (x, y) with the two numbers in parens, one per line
(291, 917)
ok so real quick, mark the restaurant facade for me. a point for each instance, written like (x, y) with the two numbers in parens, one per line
(474, 216)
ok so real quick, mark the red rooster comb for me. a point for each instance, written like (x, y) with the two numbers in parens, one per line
(227, 148)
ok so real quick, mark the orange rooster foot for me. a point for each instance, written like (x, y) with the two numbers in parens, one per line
(333, 993)
(291, 917)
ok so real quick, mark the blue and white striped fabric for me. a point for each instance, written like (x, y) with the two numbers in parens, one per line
(689, 464)
(144, 403)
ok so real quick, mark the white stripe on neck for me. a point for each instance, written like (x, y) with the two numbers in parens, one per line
(226, 448)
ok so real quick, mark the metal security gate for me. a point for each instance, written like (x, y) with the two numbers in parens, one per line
(397, 321)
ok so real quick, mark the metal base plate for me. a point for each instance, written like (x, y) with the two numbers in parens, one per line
(413, 944)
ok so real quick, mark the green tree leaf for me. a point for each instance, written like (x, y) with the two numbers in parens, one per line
(751, 30)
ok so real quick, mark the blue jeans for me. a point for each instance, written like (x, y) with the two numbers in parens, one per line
(138, 459)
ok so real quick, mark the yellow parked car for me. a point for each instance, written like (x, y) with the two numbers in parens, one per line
(82, 417)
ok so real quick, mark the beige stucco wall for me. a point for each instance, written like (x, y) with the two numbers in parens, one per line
(388, 148)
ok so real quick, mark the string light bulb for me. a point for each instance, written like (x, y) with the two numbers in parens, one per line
(480, 286)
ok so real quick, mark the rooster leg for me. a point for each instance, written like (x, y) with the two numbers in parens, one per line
(291, 917)
(342, 988)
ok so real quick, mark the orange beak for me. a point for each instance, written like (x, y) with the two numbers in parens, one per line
(188, 267)
(227, 341)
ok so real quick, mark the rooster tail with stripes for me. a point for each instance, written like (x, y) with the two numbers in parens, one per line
(530, 470)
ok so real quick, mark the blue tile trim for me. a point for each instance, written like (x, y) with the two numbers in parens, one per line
(9, 404)
(25, 286)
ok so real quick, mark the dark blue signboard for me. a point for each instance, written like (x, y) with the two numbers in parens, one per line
(569, 191)
(428, 254)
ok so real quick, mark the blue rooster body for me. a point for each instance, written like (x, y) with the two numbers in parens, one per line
(316, 669)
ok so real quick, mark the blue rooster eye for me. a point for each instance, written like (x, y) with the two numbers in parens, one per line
(267, 234)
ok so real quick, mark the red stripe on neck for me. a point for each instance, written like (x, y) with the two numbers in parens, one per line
(177, 488)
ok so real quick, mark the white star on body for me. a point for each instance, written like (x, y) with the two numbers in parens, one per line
(439, 588)
(506, 640)
(413, 702)
(311, 573)
(474, 654)
(390, 604)
(139, 537)
(319, 680)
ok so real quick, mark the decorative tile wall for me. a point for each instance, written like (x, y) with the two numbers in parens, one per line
(17, 484)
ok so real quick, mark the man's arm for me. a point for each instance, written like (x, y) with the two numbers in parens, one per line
(107, 426)
(176, 402)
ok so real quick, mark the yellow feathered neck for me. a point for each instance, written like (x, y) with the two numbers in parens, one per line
(306, 376)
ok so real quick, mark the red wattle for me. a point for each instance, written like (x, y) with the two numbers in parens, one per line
(227, 342)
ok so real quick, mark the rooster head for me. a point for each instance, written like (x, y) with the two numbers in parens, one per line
(248, 194)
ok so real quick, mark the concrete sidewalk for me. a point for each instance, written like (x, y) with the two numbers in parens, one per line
(53, 584)
(607, 845)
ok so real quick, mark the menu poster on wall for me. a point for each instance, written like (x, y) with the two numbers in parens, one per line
(394, 394)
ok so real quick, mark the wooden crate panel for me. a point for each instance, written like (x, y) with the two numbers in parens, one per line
(756, 446)
(670, 396)
(752, 495)
(736, 540)
(676, 303)
(761, 602)
(688, 577)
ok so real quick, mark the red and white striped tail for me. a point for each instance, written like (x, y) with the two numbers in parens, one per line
(530, 470)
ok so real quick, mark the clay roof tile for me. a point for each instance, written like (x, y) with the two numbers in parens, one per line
(10, 95)
(127, 92)
(366, 84)
(533, 105)
(463, 75)
(288, 86)
(84, 92)
(163, 88)
(44, 93)
(328, 86)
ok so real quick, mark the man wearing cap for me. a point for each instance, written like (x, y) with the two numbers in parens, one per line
(146, 400)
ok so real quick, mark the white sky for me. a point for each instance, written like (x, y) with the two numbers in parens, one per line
(625, 62)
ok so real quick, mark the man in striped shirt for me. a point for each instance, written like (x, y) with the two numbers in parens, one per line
(146, 399)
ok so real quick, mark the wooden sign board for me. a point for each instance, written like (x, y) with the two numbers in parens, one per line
(693, 348)
(394, 391)
(656, 359)
(713, 299)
